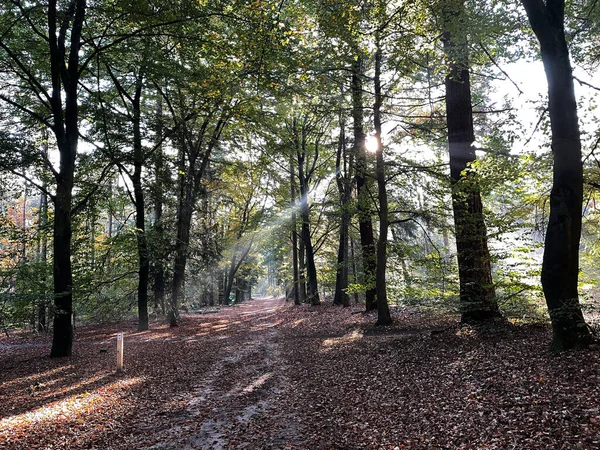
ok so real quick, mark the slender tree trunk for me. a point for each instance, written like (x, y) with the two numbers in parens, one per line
(236, 262)
(302, 270)
(140, 212)
(109, 225)
(238, 292)
(43, 253)
(159, 269)
(24, 226)
(383, 311)
(354, 270)
(190, 186)
(560, 266)
(92, 228)
(367, 240)
(294, 232)
(230, 279)
(311, 270)
(211, 289)
(477, 293)
(340, 296)
(221, 287)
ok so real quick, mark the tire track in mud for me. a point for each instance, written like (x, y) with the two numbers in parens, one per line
(245, 386)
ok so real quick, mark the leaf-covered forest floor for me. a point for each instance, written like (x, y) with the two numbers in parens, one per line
(266, 374)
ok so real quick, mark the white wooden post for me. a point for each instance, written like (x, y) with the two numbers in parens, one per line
(119, 352)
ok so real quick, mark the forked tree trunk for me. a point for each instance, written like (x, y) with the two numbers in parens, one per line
(560, 266)
(477, 292)
(312, 292)
(364, 206)
(193, 163)
(64, 77)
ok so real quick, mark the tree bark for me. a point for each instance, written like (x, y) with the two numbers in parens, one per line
(311, 270)
(236, 263)
(383, 311)
(365, 225)
(184, 222)
(62, 340)
(302, 270)
(560, 266)
(65, 75)
(192, 169)
(159, 269)
(354, 270)
(140, 211)
(340, 296)
(477, 292)
(220, 287)
(42, 252)
(294, 232)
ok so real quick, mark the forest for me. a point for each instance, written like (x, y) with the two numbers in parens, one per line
(324, 187)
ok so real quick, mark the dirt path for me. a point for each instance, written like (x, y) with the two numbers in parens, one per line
(245, 384)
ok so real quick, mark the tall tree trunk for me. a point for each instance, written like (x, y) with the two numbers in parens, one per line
(365, 225)
(312, 291)
(340, 296)
(140, 212)
(294, 232)
(62, 340)
(65, 73)
(190, 186)
(477, 293)
(311, 270)
(159, 266)
(220, 287)
(383, 311)
(24, 226)
(560, 266)
(211, 290)
(43, 249)
(354, 270)
(230, 279)
(236, 262)
(302, 270)
(184, 222)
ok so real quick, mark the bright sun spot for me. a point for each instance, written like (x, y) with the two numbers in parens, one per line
(371, 144)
